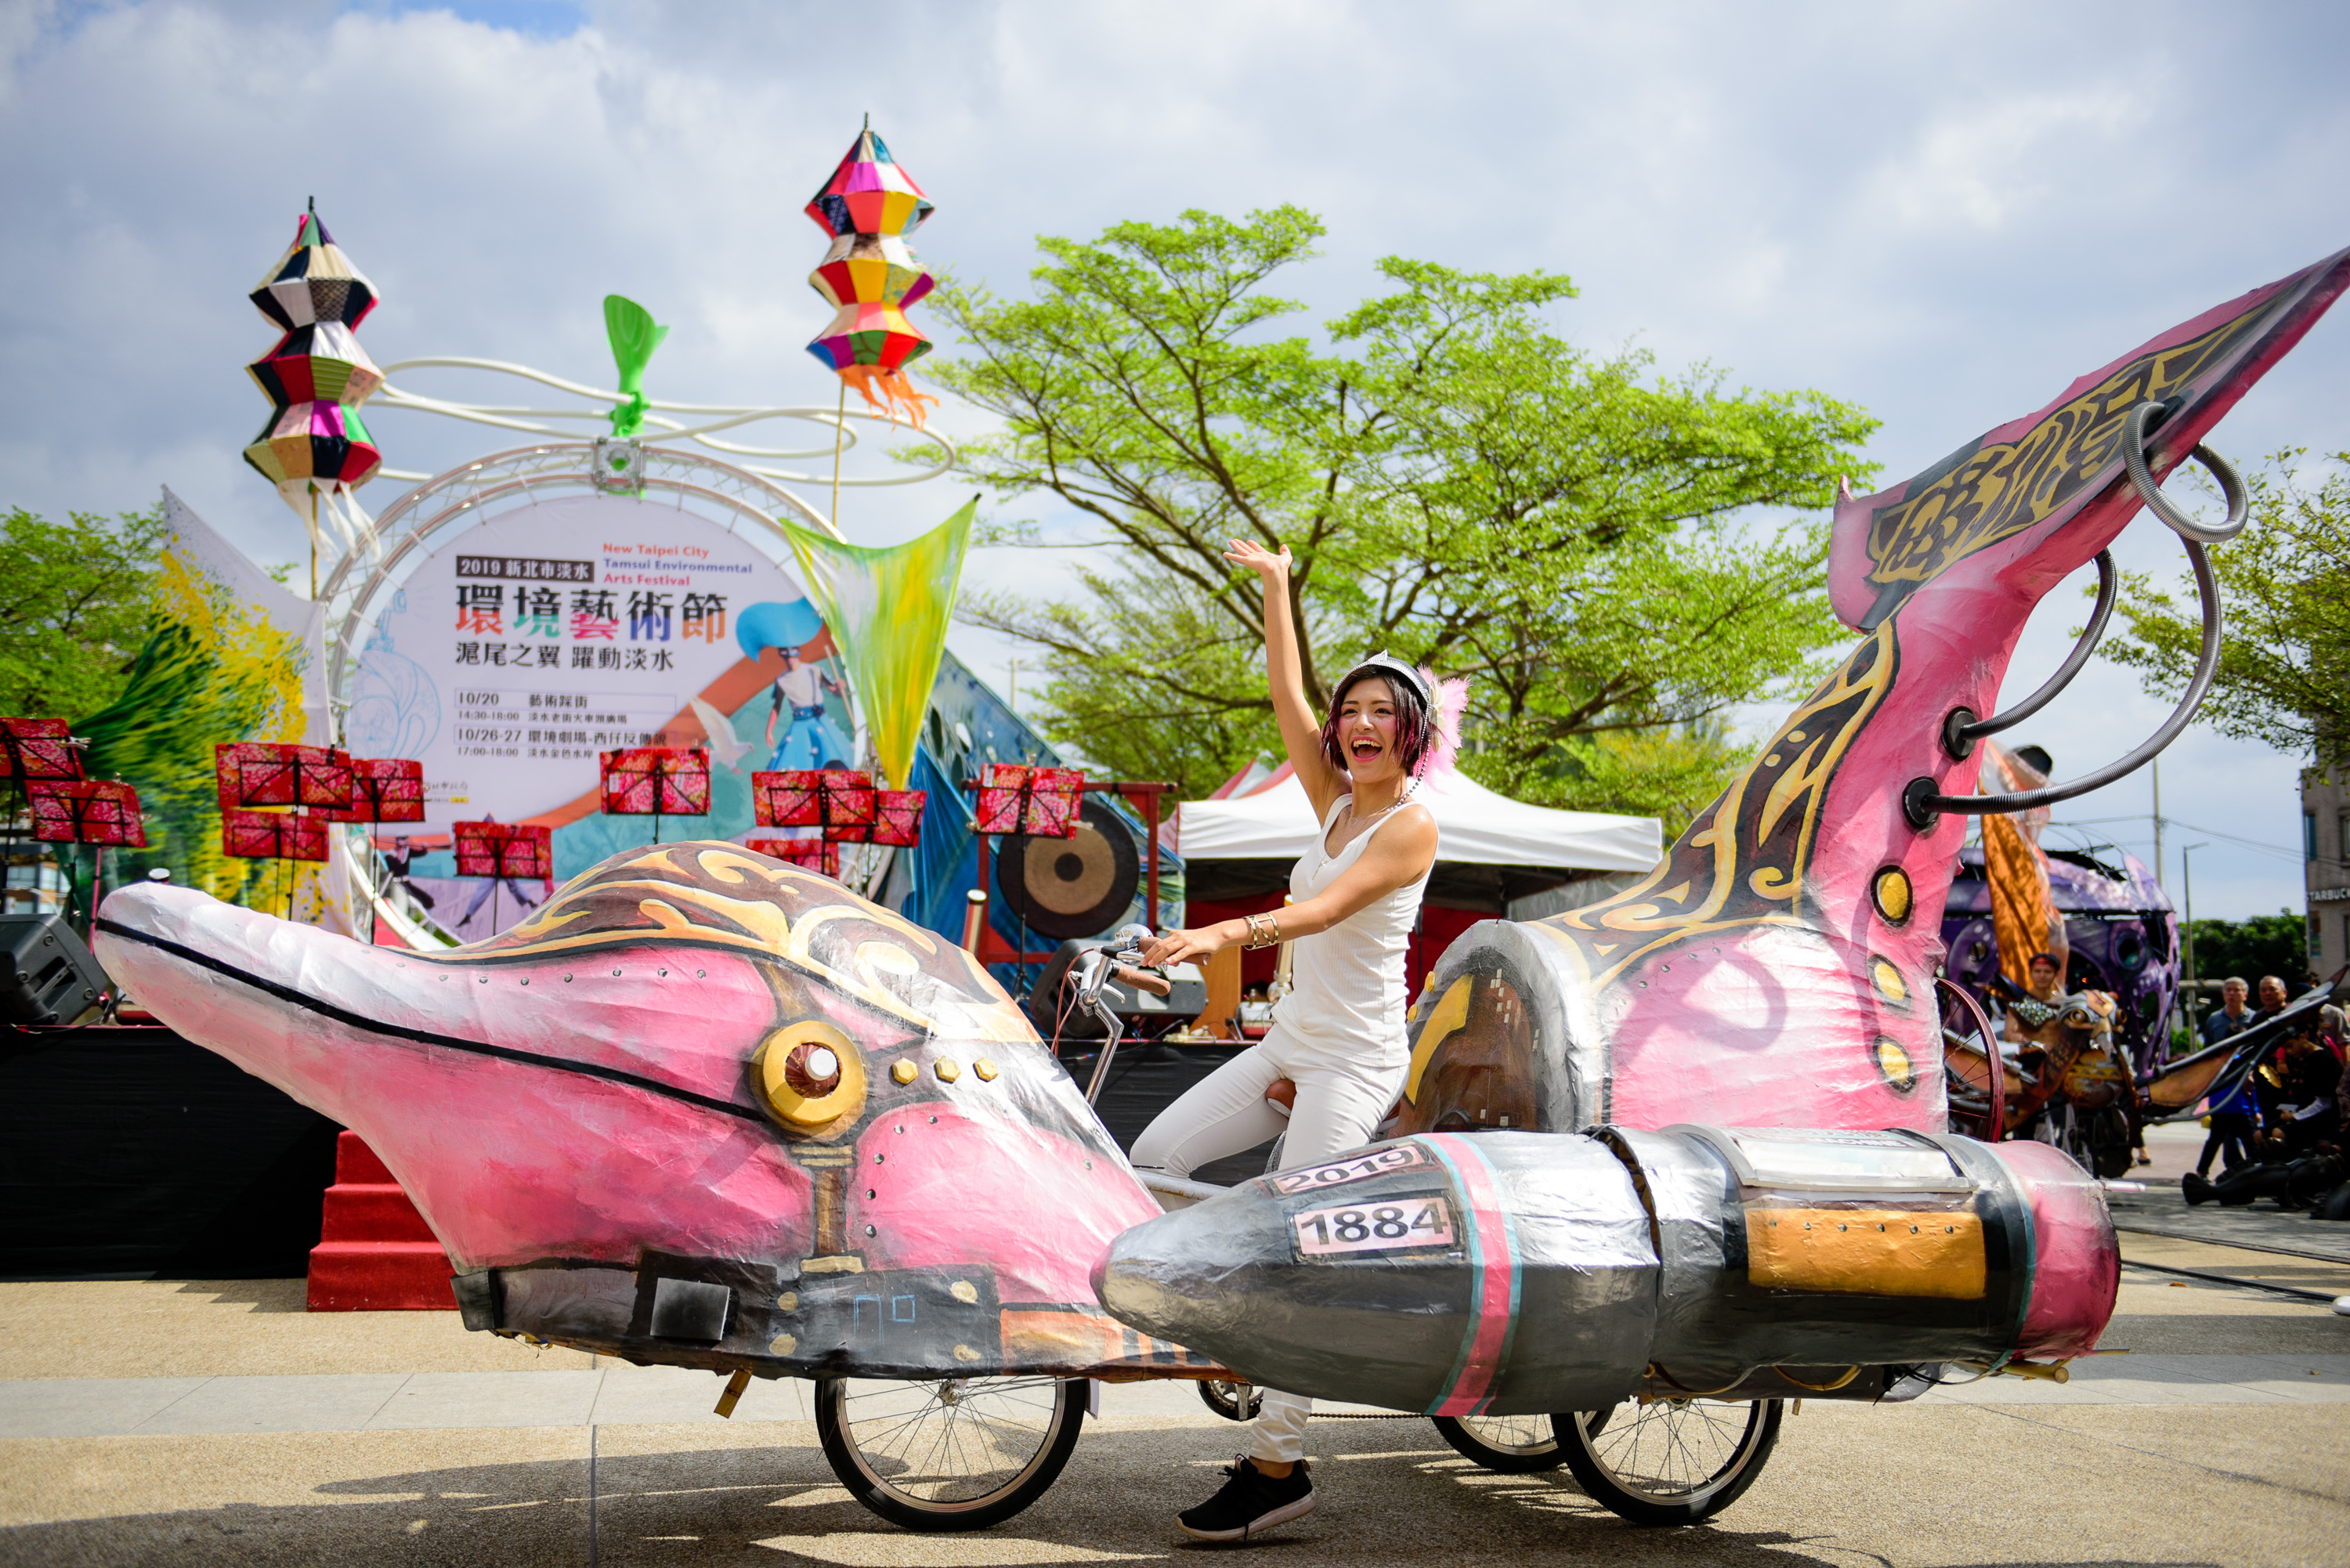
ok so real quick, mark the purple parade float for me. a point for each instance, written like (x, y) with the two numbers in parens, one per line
(2119, 922)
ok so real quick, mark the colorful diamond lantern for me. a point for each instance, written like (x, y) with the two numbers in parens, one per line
(320, 363)
(269, 773)
(315, 447)
(37, 749)
(1040, 802)
(875, 336)
(323, 444)
(314, 281)
(98, 811)
(869, 194)
(273, 835)
(869, 277)
(656, 781)
(385, 789)
(513, 851)
(870, 269)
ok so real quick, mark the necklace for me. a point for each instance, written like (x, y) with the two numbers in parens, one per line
(1364, 823)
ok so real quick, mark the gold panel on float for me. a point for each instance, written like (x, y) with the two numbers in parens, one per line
(1867, 1252)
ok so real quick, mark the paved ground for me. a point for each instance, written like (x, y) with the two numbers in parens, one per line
(189, 1423)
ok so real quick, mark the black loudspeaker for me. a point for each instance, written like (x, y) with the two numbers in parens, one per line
(47, 972)
(1080, 887)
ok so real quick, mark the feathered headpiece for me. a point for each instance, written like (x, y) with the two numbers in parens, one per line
(1450, 701)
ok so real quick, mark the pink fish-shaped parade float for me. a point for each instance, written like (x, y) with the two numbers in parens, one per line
(1775, 974)
(707, 1109)
(702, 1108)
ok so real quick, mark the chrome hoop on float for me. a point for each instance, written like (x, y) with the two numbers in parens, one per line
(1923, 803)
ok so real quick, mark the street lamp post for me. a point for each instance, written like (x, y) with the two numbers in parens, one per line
(2186, 935)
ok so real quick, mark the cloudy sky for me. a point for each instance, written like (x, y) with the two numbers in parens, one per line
(1942, 211)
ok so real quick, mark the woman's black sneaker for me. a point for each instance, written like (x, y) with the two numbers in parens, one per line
(1251, 1503)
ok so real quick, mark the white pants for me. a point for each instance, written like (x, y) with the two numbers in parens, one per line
(1340, 1102)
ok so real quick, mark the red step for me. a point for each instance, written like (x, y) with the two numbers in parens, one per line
(373, 1213)
(379, 1276)
(375, 1252)
(355, 1165)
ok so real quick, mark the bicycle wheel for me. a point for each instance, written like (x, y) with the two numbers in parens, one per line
(1233, 1401)
(1510, 1445)
(1672, 1461)
(958, 1453)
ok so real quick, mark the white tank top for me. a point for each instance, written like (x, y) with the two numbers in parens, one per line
(1348, 992)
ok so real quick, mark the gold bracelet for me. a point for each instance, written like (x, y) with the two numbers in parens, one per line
(1265, 934)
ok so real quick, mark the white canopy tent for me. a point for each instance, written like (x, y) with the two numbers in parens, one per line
(1474, 827)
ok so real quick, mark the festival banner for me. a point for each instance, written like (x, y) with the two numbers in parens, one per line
(524, 648)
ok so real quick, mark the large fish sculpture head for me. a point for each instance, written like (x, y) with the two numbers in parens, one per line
(702, 1107)
(1776, 968)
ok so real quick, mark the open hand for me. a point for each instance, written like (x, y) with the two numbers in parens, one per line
(1183, 947)
(1258, 559)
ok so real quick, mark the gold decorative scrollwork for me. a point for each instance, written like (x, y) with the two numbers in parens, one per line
(720, 894)
(1993, 491)
(1743, 863)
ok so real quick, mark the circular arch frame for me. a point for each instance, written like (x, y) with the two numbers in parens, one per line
(740, 502)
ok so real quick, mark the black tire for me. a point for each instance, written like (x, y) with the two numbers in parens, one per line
(1507, 1445)
(1030, 1424)
(1233, 1401)
(1672, 1461)
(2107, 1138)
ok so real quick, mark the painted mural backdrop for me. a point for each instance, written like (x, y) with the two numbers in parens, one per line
(232, 655)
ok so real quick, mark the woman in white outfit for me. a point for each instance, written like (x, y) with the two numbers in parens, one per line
(1338, 1036)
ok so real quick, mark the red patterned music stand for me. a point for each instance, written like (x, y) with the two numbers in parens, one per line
(821, 855)
(274, 836)
(847, 805)
(33, 748)
(792, 797)
(99, 813)
(511, 851)
(270, 772)
(505, 851)
(1039, 802)
(95, 810)
(896, 820)
(384, 789)
(656, 781)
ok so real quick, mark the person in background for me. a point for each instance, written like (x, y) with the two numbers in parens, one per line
(2268, 1079)
(2234, 1121)
(2031, 1021)
(2301, 1153)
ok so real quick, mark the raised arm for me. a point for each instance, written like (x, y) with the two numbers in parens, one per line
(1301, 728)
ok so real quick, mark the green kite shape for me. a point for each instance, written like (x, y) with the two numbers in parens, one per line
(634, 338)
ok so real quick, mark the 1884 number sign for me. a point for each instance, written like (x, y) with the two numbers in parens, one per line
(1396, 1225)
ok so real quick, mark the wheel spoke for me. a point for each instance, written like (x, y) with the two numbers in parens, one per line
(951, 1444)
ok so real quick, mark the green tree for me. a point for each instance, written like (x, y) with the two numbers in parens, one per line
(2284, 586)
(1456, 483)
(75, 599)
(2246, 950)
